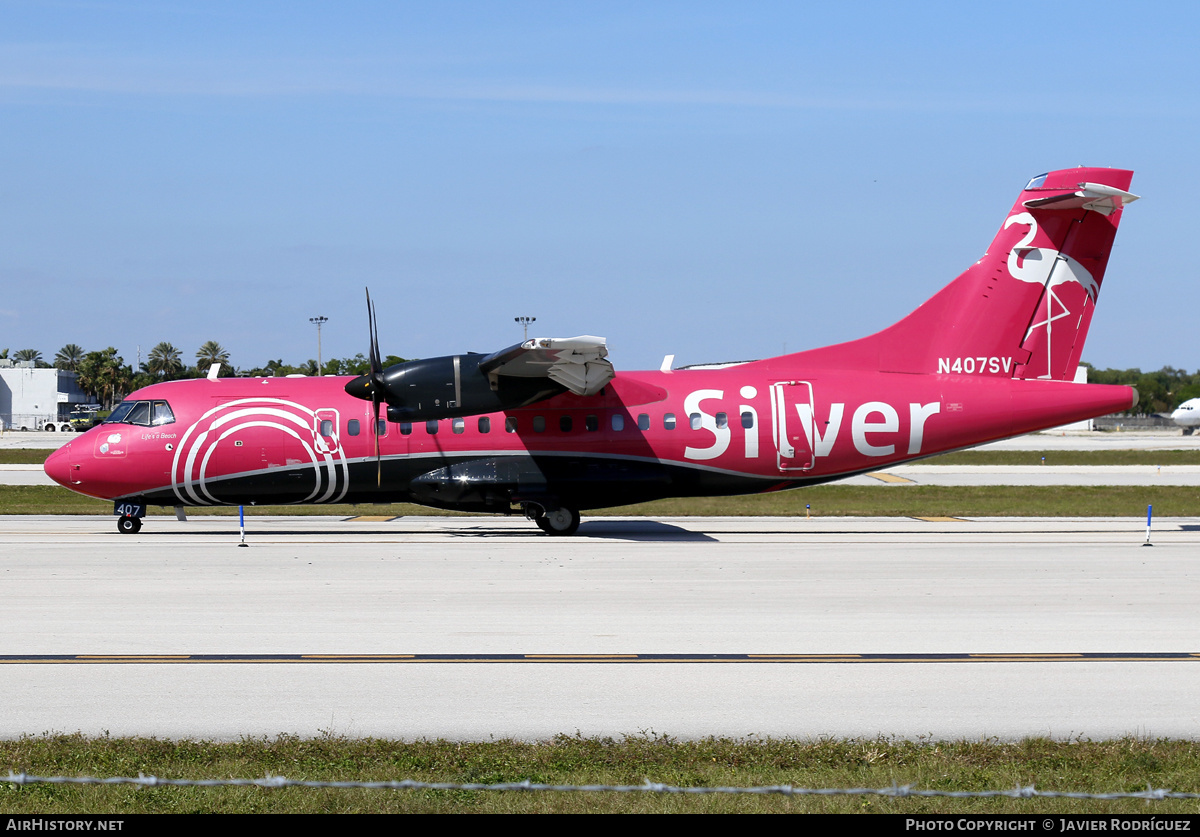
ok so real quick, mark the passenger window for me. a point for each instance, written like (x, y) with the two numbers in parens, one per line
(510, 424)
(162, 414)
(458, 425)
(747, 419)
(352, 427)
(591, 423)
(405, 428)
(643, 421)
(431, 427)
(694, 420)
(669, 421)
(485, 424)
(618, 422)
(326, 428)
(539, 424)
(564, 424)
(722, 421)
(381, 428)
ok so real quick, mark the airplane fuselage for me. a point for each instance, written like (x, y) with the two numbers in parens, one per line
(1187, 415)
(548, 426)
(745, 428)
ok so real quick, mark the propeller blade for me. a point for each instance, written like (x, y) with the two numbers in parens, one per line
(373, 326)
(375, 430)
(376, 385)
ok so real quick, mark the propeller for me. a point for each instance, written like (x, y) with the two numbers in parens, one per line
(375, 385)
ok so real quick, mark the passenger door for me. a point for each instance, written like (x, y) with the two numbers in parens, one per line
(793, 450)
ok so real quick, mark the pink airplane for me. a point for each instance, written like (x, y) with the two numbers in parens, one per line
(547, 428)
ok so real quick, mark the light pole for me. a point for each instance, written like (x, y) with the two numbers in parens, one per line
(525, 321)
(318, 322)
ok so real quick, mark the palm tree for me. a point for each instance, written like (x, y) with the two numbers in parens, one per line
(104, 375)
(163, 361)
(68, 357)
(28, 354)
(210, 353)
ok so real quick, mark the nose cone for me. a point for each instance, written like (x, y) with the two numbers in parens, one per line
(58, 465)
(360, 387)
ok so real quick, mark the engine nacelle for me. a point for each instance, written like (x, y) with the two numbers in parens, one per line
(449, 387)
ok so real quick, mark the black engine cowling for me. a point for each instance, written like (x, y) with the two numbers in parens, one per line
(451, 386)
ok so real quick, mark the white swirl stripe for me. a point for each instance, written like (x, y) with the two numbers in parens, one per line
(190, 477)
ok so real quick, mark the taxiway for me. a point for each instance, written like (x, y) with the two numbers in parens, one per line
(603, 634)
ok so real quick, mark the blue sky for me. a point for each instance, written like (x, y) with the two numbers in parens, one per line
(714, 180)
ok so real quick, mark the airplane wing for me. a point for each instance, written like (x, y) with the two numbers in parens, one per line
(577, 363)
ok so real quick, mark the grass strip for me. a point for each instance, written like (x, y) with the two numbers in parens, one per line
(1128, 765)
(23, 456)
(1067, 457)
(826, 501)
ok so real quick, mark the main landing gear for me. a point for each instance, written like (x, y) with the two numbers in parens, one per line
(552, 519)
(128, 525)
(558, 522)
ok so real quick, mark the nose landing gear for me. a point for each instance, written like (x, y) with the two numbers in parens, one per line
(129, 515)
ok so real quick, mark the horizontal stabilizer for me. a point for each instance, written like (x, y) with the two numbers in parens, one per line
(1094, 196)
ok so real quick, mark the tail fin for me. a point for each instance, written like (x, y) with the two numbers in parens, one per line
(1023, 310)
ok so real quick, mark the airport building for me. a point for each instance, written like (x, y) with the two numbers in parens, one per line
(37, 399)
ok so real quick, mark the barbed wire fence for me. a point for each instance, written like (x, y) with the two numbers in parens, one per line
(895, 791)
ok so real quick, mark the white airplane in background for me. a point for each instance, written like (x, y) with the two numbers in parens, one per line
(1187, 416)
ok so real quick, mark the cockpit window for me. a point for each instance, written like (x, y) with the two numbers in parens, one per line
(122, 410)
(1037, 181)
(161, 414)
(144, 413)
(140, 414)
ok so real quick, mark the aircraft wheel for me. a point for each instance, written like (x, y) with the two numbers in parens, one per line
(559, 522)
(127, 525)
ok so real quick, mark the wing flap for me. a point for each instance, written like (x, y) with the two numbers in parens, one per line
(577, 363)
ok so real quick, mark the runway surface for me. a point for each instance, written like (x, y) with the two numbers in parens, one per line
(470, 627)
(33, 439)
(1166, 439)
(925, 474)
